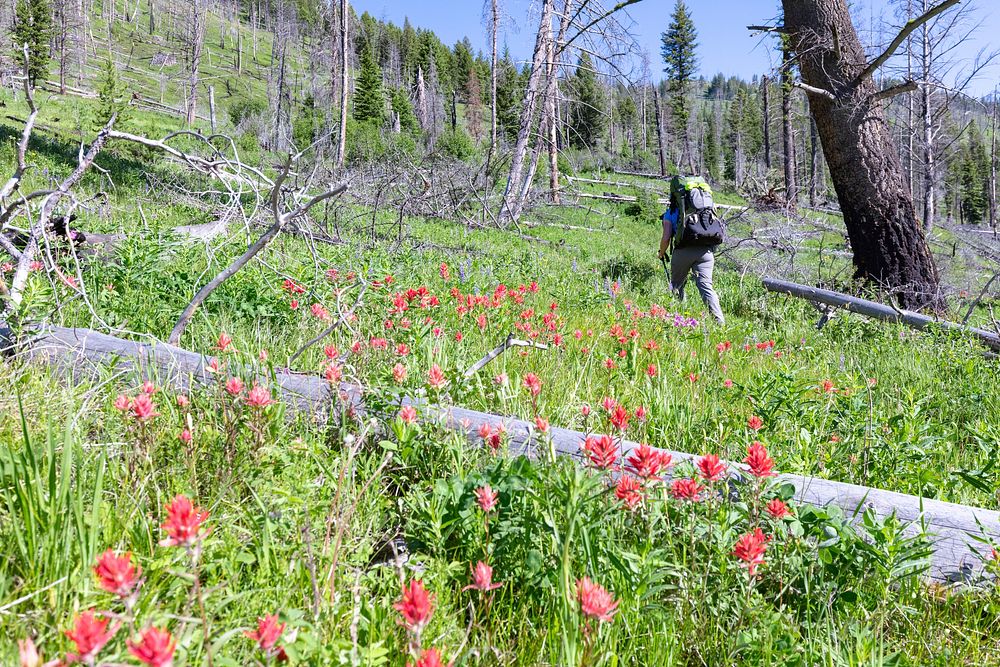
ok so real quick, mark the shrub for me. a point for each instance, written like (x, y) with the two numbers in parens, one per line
(243, 109)
(365, 142)
(456, 143)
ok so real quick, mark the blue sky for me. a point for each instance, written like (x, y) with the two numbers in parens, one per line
(725, 45)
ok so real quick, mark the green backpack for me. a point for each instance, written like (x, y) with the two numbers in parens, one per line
(699, 225)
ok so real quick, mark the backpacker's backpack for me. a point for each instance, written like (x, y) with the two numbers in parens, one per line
(700, 225)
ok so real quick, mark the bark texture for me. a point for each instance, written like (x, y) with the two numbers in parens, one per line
(889, 246)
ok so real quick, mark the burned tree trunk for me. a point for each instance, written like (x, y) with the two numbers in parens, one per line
(889, 246)
(765, 94)
(787, 141)
(660, 140)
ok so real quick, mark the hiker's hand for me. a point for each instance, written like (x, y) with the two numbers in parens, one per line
(661, 254)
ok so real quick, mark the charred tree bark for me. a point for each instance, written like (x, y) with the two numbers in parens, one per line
(766, 95)
(660, 143)
(889, 246)
(815, 168)
(787, 140)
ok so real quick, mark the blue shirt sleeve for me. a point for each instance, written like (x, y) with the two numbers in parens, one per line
(671, 215)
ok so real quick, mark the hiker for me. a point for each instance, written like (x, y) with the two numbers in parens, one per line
(691, 230)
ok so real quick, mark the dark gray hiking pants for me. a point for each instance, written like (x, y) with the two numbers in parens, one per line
(699, 262)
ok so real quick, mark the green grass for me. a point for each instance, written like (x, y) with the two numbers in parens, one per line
(291, 500)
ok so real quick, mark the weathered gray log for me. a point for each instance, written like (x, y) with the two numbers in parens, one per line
(877, 310)
(660, 200)
(84, 354)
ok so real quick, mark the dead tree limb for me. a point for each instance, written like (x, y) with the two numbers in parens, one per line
(901, 36)
(22, 145)
(508, 343)
(281, 218)
(877, 310)
(52, 200)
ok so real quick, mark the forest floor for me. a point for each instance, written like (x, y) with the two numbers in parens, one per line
(304, 517)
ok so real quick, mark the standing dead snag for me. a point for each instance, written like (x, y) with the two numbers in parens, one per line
(889, 246)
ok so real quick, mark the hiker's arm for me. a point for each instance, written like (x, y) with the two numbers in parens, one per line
(668, 230)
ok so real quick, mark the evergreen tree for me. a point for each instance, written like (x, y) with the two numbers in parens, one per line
(402, 107)
(681, 64)
(461, 62)
(509, 87)
(369, 104)
(744, 134)
(711, 153)
(111, 96)
(974, 175)
(628, 117)
(33, 26)
(586, 116)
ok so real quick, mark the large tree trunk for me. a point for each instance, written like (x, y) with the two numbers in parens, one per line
(889, 246)
(661, 146)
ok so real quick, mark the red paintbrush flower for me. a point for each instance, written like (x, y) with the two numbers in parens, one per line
(601, 451)
(710, 468)
(777, 509)
(482, 578)
(415, 606)
(533, 384)
(429, 657)
(486, 498)
(755, 423)
(646, 462)
(116, 574)
(268, 632)
(685, 489)
(629, 491)
(595, 601)
(184, 523)
(89, 634)
(155, 647)
(758, 461)
(750, 549)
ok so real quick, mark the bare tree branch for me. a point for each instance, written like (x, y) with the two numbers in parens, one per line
(901, 36)
(814, 90)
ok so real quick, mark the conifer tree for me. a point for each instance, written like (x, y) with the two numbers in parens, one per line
(369, 103)
(111, 95)
(33, 26)
(681, 64)
(586, 121)
(974, 173)
(402, 107)
(509, 87)
(711, 153)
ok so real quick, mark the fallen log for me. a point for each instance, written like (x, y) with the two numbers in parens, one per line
(877, 310)
(961, 536)
(659, 200)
